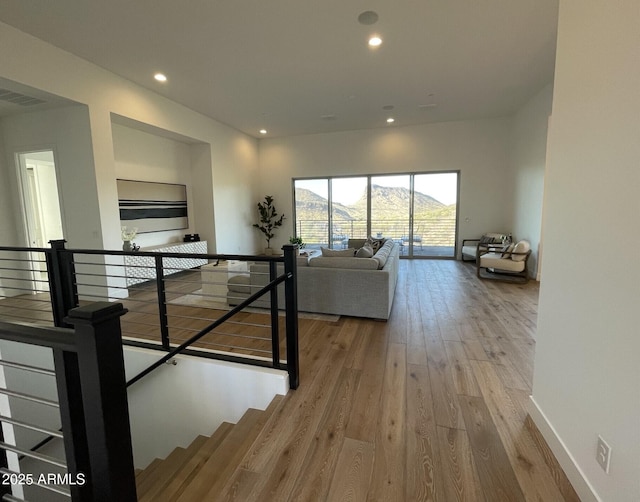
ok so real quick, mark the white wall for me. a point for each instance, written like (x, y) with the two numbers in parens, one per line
(234, 186)
(8, 233)
(143, 156)
(529, 160)
(587, 368)
(478, 149)
(66, 132)
(233, 154)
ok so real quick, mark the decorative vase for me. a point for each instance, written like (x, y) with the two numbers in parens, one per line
(126, 246)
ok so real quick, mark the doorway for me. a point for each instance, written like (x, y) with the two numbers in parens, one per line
(41, 207)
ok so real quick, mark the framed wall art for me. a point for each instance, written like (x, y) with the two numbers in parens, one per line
(152, 207)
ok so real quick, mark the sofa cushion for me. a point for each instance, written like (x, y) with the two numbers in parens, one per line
(239, 284)
(365, 251)
(338, 252)
(344, 262)
(383, 253)
(496, 261)
(356, 243)
(520, 247)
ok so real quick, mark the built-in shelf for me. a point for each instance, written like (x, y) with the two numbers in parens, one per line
(142, 268)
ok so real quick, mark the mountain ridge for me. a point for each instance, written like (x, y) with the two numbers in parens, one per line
(388, 203)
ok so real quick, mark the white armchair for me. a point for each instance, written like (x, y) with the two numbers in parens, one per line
(507, 264)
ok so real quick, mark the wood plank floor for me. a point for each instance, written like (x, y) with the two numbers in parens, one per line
(429, 406)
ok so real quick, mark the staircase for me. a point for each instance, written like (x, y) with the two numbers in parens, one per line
(204, 467)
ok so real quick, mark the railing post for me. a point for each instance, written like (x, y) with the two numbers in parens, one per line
(100, 366)
(73, 420)
(62, 288)
(275, 327)
(162, 304)
(291, 312)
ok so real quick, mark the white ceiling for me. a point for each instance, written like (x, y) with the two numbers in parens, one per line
(283, 65)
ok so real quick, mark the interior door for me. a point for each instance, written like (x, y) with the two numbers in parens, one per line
(41, 201)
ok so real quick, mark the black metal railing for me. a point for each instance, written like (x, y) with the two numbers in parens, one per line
(174, 300)
(90, 398)
(291, 323)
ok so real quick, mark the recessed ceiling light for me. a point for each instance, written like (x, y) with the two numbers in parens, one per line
(263, 131)
(160, 77)
(390, 120)
(375, 41)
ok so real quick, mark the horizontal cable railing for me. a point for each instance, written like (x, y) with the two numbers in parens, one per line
(212, 327)
(172, 303)
(90, 455)
(24, 285)
(26, 424)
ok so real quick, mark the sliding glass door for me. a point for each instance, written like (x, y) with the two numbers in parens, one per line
(391, 207)
(348, 210)
(416, 210)
(312, 211)
(435, 198)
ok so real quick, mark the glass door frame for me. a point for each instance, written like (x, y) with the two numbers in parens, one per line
(410, 251)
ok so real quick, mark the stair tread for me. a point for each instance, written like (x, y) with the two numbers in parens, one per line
(219, 467)
(191, 468)
(148, 471)
(165, 470)
(196, 444)
(206, 464)
(157, 479)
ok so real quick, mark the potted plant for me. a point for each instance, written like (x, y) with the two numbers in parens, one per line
(298, 241)
(128, 234)
(269, 221)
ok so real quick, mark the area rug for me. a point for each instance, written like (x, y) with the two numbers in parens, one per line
(196, 299)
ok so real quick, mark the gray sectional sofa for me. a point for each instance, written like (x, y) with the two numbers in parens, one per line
(359, 287)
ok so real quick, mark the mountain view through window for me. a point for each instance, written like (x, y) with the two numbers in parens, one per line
(419, 211)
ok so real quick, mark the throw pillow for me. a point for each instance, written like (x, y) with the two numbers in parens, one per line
(522, 247)
(376, 243)
(365, 251)
(507, 250)
(338, 252)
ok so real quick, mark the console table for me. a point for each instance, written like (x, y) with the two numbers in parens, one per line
(143, 268)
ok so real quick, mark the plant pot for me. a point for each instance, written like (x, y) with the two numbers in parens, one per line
(126, 246)
(268, 251)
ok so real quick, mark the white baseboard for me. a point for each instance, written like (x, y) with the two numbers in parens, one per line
(576, 477)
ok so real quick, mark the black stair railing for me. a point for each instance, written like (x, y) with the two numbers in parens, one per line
(66, 273)
(291, 321)
(92, 399)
